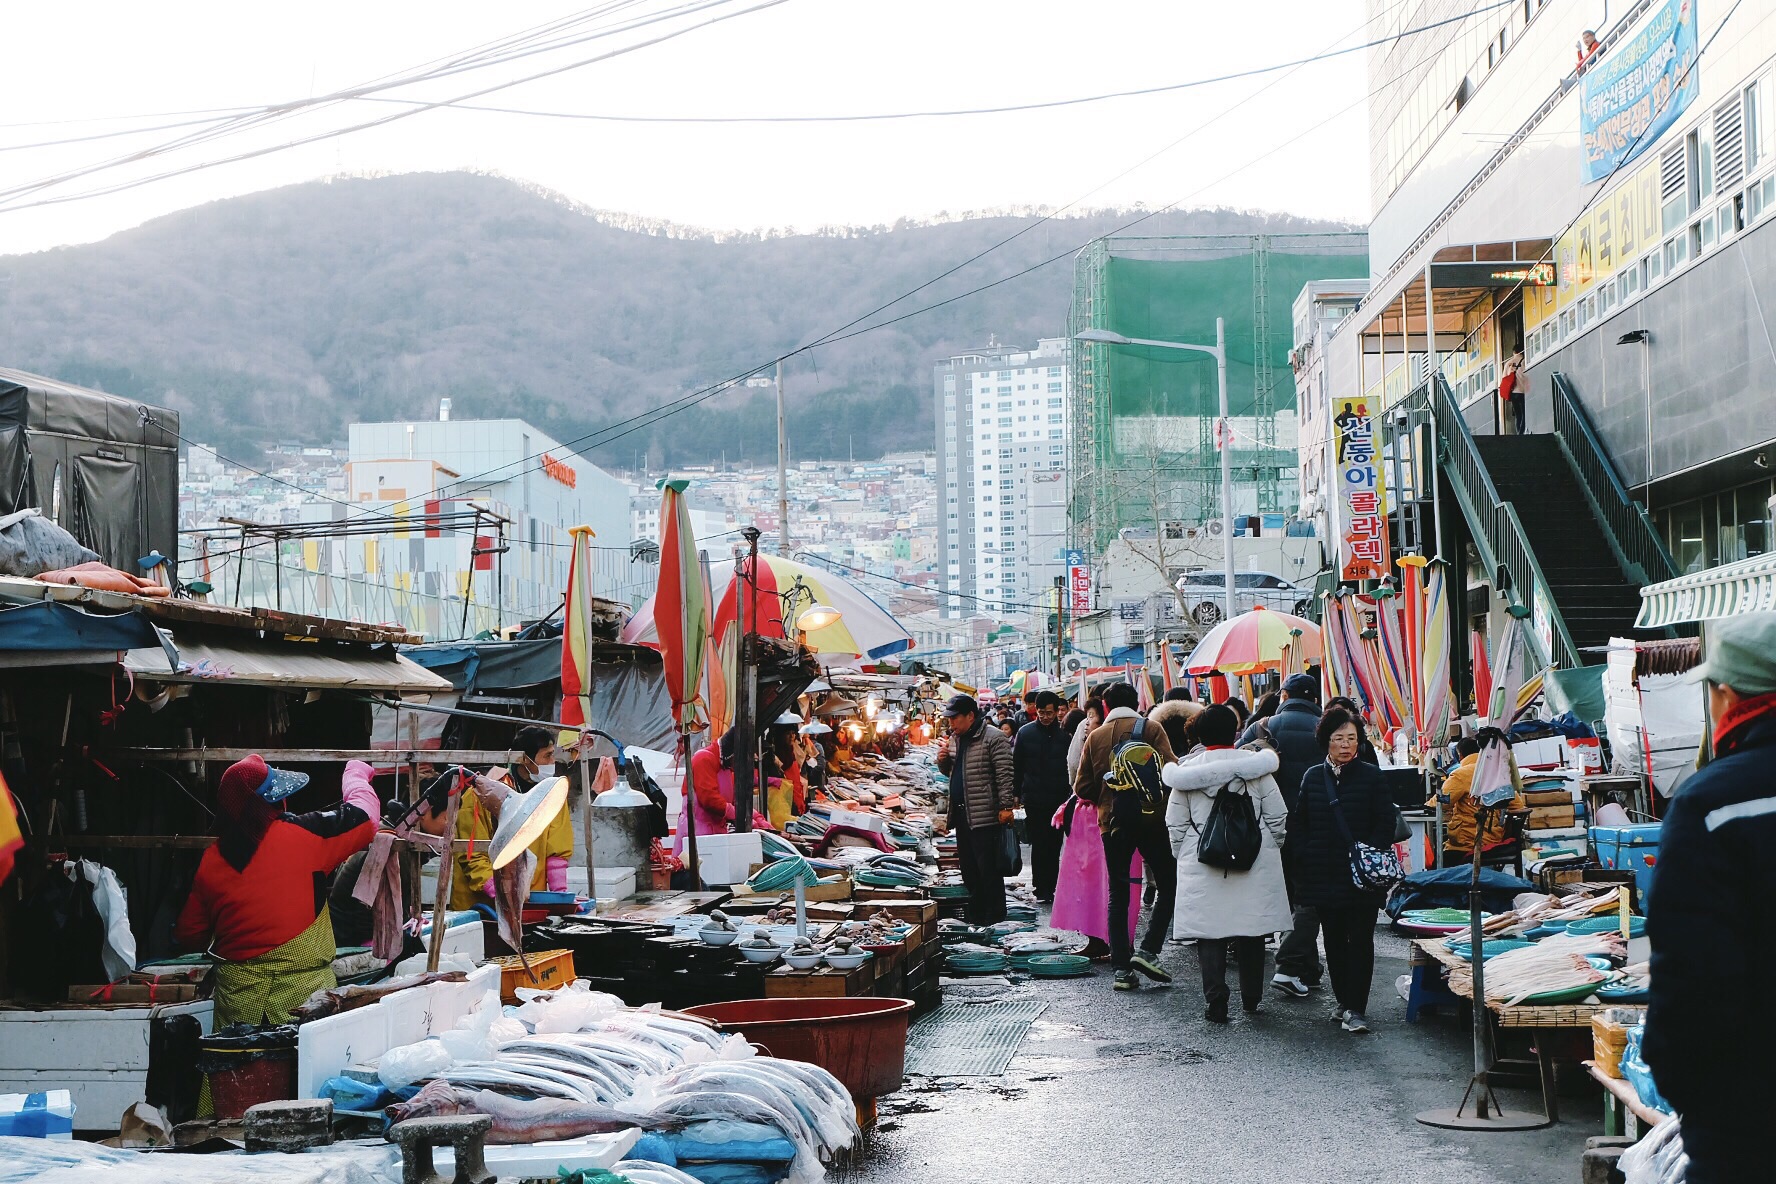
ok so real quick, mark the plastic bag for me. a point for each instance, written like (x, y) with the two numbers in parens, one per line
(1638, 1074)
(348, 1093)
(413, 1062)
(1657, 1159)
(572, 1008)
(119, 953)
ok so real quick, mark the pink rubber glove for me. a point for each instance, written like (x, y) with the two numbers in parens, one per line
(555, 873)
(488, 888)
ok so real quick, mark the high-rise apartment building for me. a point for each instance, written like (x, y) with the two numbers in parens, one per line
(1002, 417)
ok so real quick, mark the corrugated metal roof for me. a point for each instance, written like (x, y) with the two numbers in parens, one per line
(296, 665)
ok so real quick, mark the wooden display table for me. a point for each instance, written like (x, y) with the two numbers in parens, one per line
(1623, 1111)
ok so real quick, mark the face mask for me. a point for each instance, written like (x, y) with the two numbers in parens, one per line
(544, 772)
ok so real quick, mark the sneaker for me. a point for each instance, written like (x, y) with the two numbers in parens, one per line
(1216, 1013)
(1338, 1014)
(1354, 1022)
(1288, 984)
(1127, 980)
(1148, 964)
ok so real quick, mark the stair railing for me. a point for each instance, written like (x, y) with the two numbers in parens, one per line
(1498, 531)
(1633, 537)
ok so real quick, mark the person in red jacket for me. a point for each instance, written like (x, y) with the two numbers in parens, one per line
(259, 902)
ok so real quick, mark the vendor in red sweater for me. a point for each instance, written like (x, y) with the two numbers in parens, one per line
(259, 902)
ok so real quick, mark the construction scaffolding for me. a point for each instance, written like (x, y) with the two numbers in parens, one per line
(1143, 438)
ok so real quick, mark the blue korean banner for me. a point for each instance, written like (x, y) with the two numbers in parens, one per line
(1632, 96)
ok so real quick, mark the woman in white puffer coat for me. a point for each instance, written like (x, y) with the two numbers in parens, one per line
(1217, 907)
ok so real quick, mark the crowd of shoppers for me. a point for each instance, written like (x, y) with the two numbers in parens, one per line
(1297, 788)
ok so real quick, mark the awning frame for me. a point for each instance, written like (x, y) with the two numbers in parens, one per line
(1744, 586)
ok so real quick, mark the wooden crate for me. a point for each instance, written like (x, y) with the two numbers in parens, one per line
(823, 983)
(899, 906)
(548, 969)
(1546, 797)
(1553, 817)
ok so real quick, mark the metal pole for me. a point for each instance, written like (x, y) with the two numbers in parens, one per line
(745, 726)
(688, 795)
(1226, 464)
(586, 797)
(782, 471)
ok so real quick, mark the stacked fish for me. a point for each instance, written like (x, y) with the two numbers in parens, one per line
(670, 1074)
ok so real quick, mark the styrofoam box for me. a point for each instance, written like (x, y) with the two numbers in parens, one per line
(875, 823)
(99, 1055)
(48, 1114)
(544, 1161)
(1546, 750)
(728, 859)
(324, 1047)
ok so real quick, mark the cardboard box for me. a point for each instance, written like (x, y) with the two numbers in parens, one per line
(1552, 817)
(899, 907)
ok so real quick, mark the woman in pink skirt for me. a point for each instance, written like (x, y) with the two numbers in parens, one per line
(1082, 889)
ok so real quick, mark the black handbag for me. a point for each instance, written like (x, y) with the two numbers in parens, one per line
(1011, 853)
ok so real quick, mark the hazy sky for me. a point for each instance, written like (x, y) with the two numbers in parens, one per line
(1293, 142)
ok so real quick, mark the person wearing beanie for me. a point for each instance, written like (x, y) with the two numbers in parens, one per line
(259, 900)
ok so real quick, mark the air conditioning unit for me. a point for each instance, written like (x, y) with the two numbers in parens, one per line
(1137, 635)
(1215, 527)
(1073, 664)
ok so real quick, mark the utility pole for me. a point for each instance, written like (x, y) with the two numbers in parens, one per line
(1060, 626)
(782, 471)
(745, 726)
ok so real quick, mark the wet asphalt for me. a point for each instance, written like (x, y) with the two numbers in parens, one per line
(1138, 1086)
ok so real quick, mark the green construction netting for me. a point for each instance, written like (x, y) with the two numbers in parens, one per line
(1178, 300)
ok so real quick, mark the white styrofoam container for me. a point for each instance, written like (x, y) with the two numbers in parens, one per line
(1545, 750)
(617, 882)
(99, 1055)
(728, 859)
(875, 823)
(49, 1116)
(544, 1161)
(324, 1047)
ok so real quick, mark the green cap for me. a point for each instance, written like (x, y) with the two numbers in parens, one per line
(1740, 652)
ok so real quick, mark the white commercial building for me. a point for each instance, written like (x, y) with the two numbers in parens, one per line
(1002, 418)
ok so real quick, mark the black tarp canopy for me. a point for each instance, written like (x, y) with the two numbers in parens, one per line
(629, 698)
(105, 468)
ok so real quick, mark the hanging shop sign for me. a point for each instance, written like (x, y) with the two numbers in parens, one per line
(1362, 494)
(1632, 96)
(1079, 583)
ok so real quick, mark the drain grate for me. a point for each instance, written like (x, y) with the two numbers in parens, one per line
(969, 1039)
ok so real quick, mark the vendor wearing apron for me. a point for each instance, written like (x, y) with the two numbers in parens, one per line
(259, 902)
(475, 822)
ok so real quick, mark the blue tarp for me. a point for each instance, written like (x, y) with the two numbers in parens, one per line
(1440, 888)
(50, 627)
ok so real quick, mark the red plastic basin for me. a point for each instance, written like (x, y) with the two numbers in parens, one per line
(862, 1042)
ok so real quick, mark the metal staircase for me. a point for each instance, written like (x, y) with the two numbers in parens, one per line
(1554, 526)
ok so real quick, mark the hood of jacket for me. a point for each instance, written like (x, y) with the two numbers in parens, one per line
(1209, 769)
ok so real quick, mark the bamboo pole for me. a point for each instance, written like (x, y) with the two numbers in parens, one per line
(446, 874)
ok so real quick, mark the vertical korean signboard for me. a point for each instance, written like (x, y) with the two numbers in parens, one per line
(1079, 583)
(1362, 495)
(1637, 92)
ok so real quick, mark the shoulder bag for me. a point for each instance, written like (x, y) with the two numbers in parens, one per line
(1372, 869)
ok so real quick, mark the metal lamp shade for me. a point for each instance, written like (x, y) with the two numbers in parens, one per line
(523, 817)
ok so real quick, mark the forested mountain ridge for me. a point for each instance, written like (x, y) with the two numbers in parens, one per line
(286, 315)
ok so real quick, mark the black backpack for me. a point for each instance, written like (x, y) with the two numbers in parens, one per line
(1230, 840)
(1138, 795)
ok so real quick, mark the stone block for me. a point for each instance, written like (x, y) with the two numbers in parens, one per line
(293, 1125)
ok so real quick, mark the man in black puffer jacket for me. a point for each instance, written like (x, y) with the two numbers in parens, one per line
(1291, 733)
(1039, 766)
(1708, 915)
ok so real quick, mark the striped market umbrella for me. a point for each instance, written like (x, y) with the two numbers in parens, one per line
(681, 616)
(865, 631)
(1024, 681)
(1254, 641)
(576, 634)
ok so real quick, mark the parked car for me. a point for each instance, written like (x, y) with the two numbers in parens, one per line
(1204, 594)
